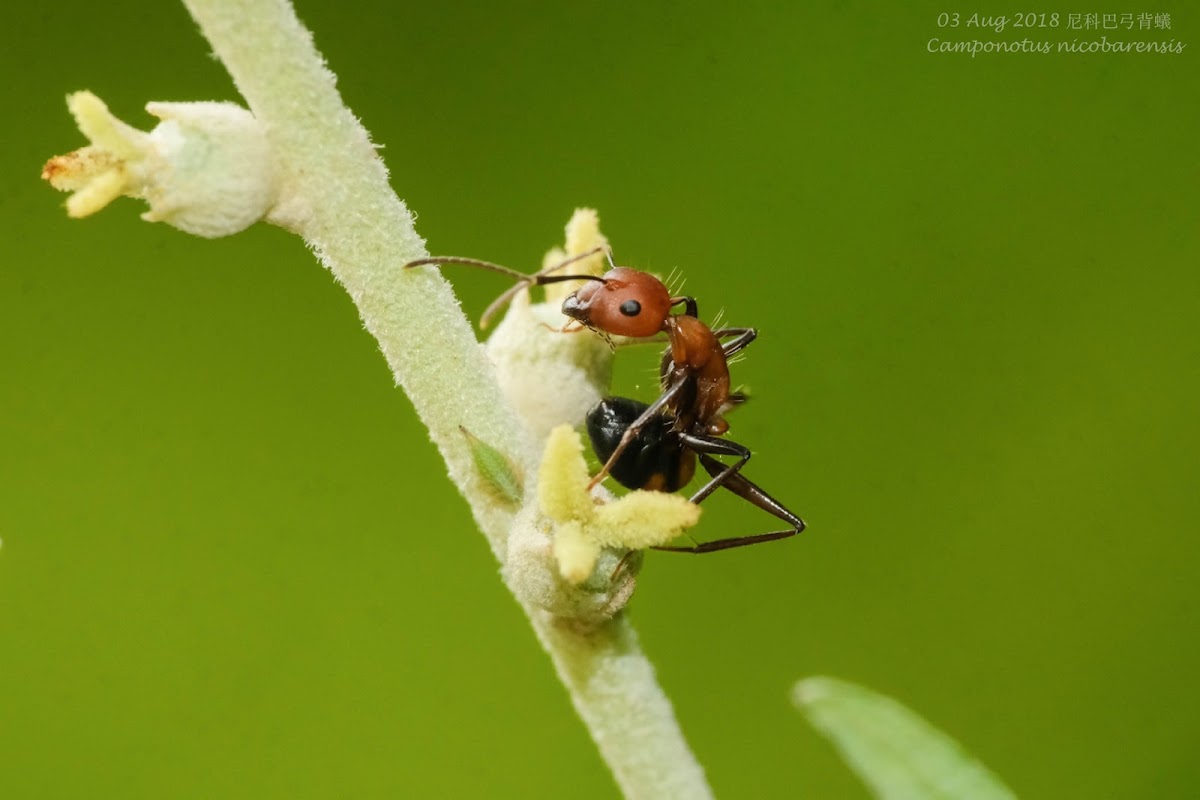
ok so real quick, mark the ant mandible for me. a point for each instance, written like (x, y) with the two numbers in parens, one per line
(687, 420)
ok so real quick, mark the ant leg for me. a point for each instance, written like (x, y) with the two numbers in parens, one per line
(736, 399)
(710, 446)
(689, 305)
(751, 492)
(652, 411)
(665, 367)
(625, 559)
(744, 337)
(729, 477)
(565, 328)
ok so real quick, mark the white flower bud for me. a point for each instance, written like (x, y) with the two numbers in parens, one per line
(550, 376)
(206, 169)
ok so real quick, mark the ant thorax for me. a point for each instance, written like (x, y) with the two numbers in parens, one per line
(698, 359)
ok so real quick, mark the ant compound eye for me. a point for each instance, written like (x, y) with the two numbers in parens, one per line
(631, 308)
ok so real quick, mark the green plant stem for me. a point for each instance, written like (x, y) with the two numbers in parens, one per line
(337, 197)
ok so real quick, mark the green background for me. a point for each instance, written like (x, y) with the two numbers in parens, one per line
(232, 566)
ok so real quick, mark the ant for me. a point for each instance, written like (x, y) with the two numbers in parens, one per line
(656, 446)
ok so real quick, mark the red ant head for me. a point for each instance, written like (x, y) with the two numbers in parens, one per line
(626, 302)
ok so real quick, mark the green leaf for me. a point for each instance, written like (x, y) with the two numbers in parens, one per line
(495, 468)
(895, 752)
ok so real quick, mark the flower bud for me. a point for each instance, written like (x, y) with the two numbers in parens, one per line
(206, 169)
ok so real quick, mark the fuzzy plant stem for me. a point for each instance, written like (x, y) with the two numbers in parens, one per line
(339, 201)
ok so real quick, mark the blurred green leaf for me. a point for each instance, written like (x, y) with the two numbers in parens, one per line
(898, 754)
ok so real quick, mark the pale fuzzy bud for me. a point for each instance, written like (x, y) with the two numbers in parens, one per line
(575, 553)
(529, 568)
(582, 234)
(552, 376)
(643, 519)
(549, 376)
(584, 530)
(206, 169)
(563, 477)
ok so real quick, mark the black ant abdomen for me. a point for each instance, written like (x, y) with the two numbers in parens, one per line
(655, 460)
(657, 456)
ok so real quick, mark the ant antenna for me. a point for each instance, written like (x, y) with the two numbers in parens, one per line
(539, 278)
